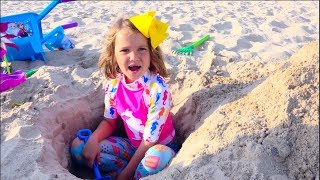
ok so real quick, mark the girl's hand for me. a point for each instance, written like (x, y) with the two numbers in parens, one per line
(91, 151)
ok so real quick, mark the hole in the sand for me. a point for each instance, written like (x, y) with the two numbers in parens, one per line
(85, 172)
(67, 118)
(59, 125)
(62, 129)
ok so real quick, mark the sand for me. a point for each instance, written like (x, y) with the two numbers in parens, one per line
(245, 104)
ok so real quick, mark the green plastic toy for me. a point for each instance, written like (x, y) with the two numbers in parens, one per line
(31, 72)
(188, 49)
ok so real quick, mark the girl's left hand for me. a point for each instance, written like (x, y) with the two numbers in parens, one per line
(91, 151)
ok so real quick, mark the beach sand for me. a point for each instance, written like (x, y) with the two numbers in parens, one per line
(245, 104)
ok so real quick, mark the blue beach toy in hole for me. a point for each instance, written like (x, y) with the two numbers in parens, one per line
(84, 135)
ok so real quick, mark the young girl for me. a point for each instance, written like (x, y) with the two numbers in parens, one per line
(133, 64)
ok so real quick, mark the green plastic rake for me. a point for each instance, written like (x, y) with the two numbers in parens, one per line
(188, 49)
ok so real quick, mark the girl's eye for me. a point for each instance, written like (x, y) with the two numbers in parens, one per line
(124, 50)
(142, 49)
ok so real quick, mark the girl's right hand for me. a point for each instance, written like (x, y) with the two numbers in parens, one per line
(91, 151)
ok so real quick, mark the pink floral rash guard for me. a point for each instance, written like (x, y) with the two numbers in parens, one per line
(144, 106)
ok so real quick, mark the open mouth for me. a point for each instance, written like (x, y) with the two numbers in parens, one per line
(134, 68)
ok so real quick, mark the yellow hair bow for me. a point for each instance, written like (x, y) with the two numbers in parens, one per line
(150, 27)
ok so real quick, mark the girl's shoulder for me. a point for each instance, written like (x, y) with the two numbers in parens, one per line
(155, 90)
(156, 83)
(112, 85)
(156, 79)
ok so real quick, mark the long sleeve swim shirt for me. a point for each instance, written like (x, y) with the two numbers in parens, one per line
(143, 105)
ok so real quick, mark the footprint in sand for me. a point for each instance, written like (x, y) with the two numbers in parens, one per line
(223, 26)
(303, 19)
(169, 8)
(186, 30)
(167, 16)
(187, 36)
(242, 44)
(218, 47)
(254, 38)
(186, 27)
(309, 30)
(199, 21)
(278, 25)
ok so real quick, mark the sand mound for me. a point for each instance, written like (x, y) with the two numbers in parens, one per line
(265, 128)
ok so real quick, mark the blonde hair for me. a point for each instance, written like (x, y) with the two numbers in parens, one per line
(107, 63)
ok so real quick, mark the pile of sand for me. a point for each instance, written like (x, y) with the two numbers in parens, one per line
(260, 126)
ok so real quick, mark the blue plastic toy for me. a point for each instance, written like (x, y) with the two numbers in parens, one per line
(26, 38)
(84, 135)
(57, 40)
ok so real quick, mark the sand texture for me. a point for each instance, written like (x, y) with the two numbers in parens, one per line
(245, 104)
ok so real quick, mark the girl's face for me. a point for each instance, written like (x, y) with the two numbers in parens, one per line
(132, 54)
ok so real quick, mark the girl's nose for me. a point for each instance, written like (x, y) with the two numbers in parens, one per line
(133, 56)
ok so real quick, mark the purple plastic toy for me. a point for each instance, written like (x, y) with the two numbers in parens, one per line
(8, 81)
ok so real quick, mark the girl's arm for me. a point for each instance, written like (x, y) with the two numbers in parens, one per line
(91, 150)
(130, 169)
